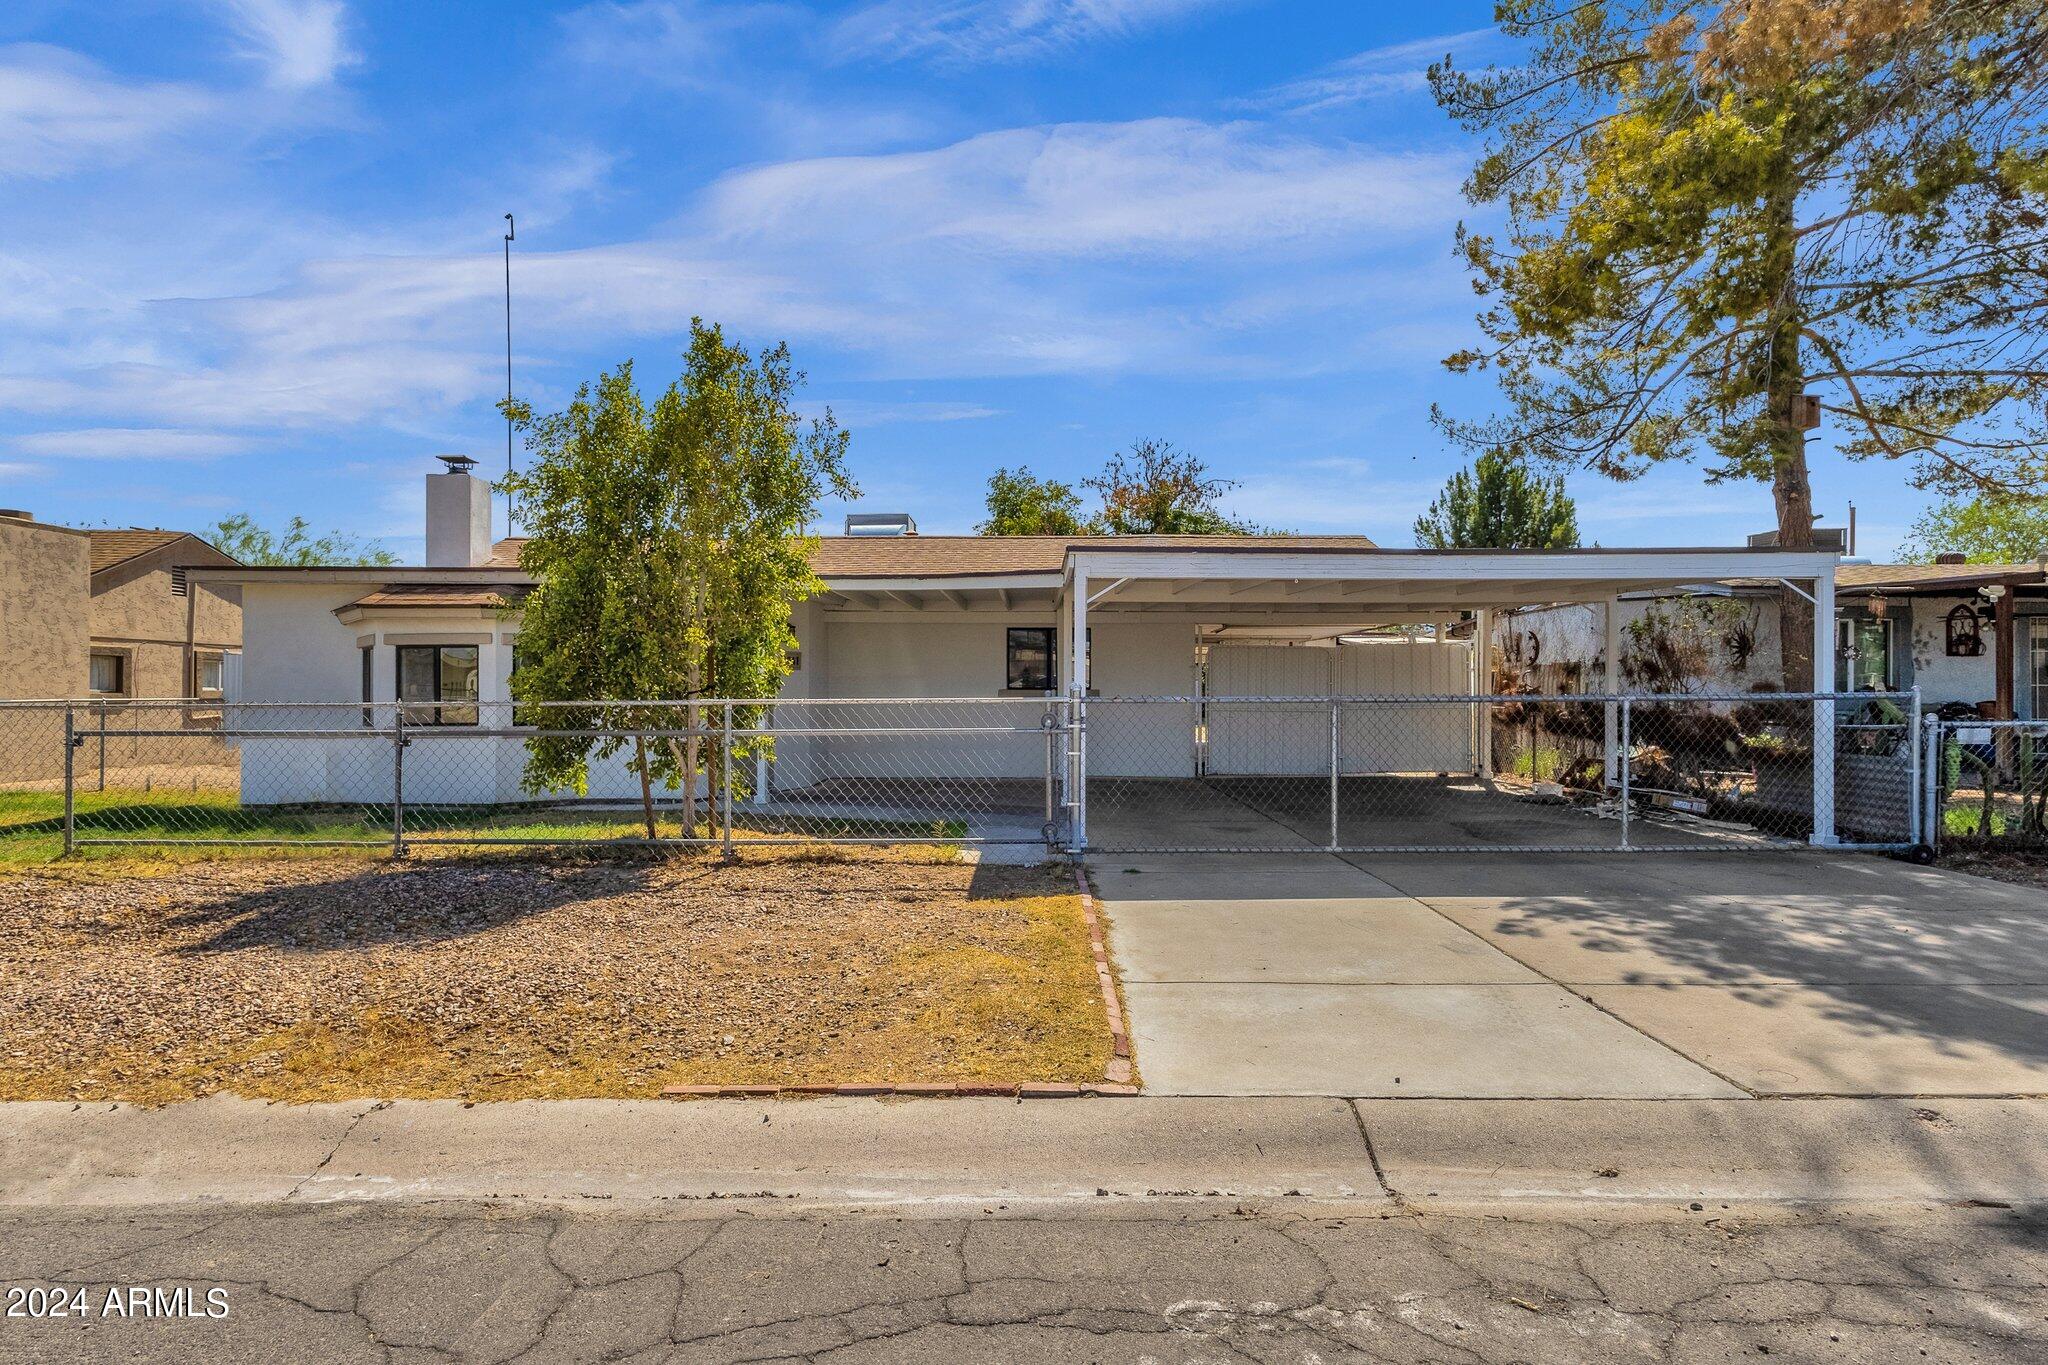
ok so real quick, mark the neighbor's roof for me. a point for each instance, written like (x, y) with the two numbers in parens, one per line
(434, 595)
(111, 548)
(1928, 577)
(952, 556)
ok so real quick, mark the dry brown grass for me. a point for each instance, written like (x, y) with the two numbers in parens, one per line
(515, 978)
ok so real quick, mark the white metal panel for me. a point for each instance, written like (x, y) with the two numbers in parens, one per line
(1265, 737)
(1405, 737)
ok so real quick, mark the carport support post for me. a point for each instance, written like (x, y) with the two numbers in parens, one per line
(1824, 708)
(1077, 686)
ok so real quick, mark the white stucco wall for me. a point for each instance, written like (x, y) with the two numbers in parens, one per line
(1941, 678)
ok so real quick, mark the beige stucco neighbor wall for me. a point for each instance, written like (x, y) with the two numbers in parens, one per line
(45, 575)
(135, 609)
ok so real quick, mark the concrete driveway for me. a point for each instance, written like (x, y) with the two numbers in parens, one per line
(1610, 976)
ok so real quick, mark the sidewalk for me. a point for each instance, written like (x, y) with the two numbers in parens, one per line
(905, 1156)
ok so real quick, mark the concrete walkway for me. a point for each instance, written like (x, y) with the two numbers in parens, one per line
(1576, 976)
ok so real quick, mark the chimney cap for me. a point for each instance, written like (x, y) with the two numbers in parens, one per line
(1951, 557)
(457, 464)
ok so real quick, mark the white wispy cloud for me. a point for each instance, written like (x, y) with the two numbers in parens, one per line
(130, 443)
(19, 469)
(677, 43)
(301, 44)
(60, 112)
(1061, 250)
(863, 412)
(974, 31)
(1080, 189)
(1396, 69)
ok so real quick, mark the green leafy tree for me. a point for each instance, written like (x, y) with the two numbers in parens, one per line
(1985, 530)
(1020, 504)
(1716, 212)
(1499, 505)
(1156, 489)
(240, 537)
(668, 549)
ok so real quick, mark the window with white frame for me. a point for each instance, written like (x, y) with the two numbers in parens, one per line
(1863, 656)
(209, 673)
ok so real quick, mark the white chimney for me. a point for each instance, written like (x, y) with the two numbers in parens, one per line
(458, 516)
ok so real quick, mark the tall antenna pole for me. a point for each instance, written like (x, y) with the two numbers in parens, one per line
(508, 367)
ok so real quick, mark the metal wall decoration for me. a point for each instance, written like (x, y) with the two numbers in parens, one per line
(1965, 635)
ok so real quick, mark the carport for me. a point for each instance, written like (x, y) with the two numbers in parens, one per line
(1314, 715)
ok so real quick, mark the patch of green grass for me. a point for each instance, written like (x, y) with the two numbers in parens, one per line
(32, 825)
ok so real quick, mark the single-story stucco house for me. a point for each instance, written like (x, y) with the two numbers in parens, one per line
(1077, 621)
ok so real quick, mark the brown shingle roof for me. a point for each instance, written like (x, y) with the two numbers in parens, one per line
(118, 547)
(947, 556)
(1925, 577)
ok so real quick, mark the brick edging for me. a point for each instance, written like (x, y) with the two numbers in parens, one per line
(1118, 1072)
(1028, 1090)
(1116, 1077)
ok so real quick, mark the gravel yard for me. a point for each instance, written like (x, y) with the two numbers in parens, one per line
(2021, 869)
(508, 978)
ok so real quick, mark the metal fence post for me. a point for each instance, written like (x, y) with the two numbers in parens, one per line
(1913, 771)
(398, 743)
(1627, 713)
(1932, 812)
(1077, 761)
(725, 774)
(1336, 745)
(70, 782)
(1049, 721)
(103, 746)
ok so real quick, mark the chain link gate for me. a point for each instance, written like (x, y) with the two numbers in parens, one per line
(1506, 773)
(1986, 784)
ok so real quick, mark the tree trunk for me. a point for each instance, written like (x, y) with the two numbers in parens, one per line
(646, 784)
(1784, 385)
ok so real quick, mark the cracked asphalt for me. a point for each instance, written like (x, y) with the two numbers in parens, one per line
(1166, 1281)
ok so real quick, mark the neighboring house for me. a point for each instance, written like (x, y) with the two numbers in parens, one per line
(45, 616)
(1973, 634)
(112, 614)
(1177, 620)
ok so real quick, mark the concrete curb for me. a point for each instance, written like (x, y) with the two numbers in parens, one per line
(1392, 1155)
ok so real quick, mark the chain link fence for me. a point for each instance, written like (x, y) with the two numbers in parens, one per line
(392, 775)
(1504, 773)
(1357, 773)
(1987, 784)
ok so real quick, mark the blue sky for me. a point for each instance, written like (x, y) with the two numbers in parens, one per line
(249, 249)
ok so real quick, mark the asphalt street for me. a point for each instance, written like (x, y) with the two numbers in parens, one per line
(1136, 1280)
